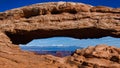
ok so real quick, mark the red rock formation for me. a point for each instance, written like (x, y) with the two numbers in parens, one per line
(78, 20)
(98, 56)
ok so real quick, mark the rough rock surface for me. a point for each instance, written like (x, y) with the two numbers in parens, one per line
(78, 20)
(100, 56)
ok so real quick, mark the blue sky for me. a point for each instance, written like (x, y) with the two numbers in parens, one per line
(68, 43)
(9, 4)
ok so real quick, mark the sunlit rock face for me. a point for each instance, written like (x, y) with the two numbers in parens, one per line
(98, 56)
(81, 21)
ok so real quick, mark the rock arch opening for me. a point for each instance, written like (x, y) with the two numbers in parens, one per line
(24, 36)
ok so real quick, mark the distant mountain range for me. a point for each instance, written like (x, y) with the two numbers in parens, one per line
(51, 48)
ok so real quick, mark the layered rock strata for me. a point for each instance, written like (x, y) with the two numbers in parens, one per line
(78, 20)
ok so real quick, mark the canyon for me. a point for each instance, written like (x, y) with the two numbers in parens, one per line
(43, 20)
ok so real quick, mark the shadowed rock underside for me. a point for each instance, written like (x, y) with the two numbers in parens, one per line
(78, 20)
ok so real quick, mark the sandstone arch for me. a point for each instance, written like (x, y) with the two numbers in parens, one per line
(78, 20)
